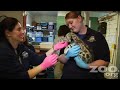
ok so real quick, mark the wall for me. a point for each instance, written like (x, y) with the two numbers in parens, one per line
(94, 15)
(113, 40)
(97, 13)
(61, 18)
(94, 23)
(85, 14)
(16, 14)
(29, 19)
(62, 13)
(60, 21)
(118, 51)
(118, 44)
(45, 18)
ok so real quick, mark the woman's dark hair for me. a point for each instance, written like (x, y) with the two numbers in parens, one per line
(63, 30)
(9, 24)
(26, 41)
(73, 14)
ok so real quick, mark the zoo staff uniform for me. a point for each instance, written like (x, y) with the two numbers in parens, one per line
(96, 41)
(14, 64)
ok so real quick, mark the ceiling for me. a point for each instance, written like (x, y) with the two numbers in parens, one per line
(54, 13)
(50, 13)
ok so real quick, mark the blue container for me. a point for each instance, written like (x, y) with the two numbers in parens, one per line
(38, 39)
(45, 39)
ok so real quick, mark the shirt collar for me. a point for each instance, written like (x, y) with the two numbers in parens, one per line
(88, 31)
(85, 35)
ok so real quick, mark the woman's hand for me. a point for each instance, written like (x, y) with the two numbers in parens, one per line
(60, 45)
(81, 63)
(49, 61)
(73, 51)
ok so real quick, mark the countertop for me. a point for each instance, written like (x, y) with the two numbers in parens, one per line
(44, 46)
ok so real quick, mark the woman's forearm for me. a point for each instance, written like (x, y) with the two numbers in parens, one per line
(33, 72)
(98, 63)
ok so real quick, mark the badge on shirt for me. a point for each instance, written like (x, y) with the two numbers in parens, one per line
(25, 54)
(92, 39)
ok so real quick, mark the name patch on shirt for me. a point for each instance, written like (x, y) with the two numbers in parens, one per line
(91, 39)
(25, 54)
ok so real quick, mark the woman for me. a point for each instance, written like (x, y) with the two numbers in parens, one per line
(15, 57)
(75, 68)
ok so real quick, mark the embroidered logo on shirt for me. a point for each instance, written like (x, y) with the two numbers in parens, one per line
(92, 39)
(25, 54)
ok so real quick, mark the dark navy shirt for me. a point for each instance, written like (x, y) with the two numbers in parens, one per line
(96, 41)
(14, 64)
(81, 36)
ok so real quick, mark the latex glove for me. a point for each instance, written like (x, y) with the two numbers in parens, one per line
(73, 51)
(60, 45)
(81, 63)
(49, 61)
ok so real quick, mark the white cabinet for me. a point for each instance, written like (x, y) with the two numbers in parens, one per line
(111, 36)
(112, 33)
